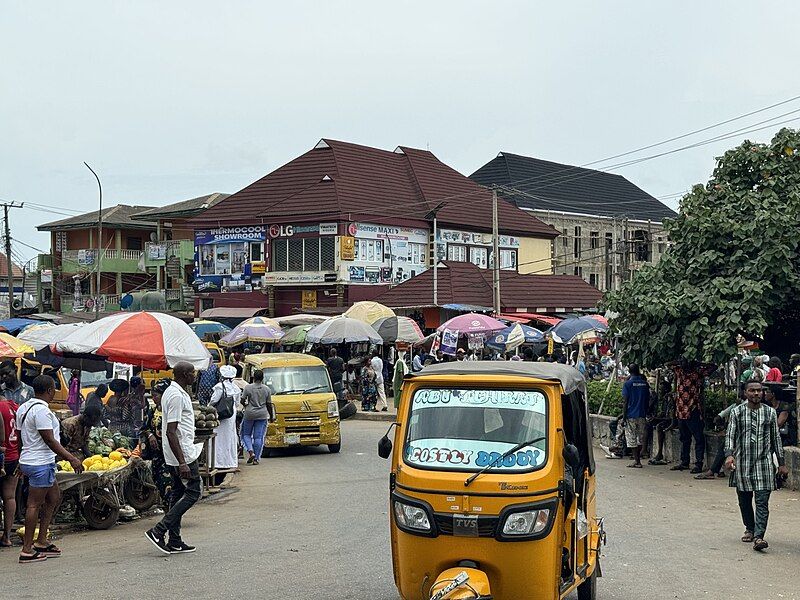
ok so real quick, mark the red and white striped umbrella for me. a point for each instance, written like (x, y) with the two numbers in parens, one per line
(144, 339)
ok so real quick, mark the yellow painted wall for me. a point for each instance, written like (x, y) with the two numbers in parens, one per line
(535, 256)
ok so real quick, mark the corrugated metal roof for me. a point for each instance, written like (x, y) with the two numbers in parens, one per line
(546, 185)
(185, 208)
(340, 180)
(113, 216)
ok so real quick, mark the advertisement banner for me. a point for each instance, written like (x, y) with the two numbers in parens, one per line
(328, 228)
(309, 299)
(449, 342)
(347, 247)
(255, 233)
(157, 251)
(472, 238)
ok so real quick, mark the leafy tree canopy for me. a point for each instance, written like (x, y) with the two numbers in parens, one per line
(733, 264)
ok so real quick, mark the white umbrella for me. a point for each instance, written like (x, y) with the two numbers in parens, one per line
(340, 330)
(39, 338)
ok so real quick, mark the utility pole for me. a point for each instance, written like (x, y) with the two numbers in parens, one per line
(432, 214)
(625, 257)
(99, 244)
(496, 251)
(10, 272)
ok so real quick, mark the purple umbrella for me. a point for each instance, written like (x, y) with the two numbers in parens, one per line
(257, 329)
(472, 323)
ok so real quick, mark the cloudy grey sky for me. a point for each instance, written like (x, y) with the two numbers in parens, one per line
(171, 100)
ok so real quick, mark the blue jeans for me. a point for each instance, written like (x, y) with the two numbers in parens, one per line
(755, 522)
(253, 431)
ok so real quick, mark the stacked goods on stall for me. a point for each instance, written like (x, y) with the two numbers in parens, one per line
(205, 418)
(102, 441)
(114, 460)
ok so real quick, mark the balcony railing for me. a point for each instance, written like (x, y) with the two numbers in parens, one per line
(110, 302)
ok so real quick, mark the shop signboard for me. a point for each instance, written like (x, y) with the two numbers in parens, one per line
(309, 299)
(328, 228)
(473, 238)
(347, 247)
(273, 278)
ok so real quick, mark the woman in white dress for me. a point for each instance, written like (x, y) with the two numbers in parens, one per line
(226, 444)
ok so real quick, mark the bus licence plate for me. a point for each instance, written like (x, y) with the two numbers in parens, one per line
(291, 438)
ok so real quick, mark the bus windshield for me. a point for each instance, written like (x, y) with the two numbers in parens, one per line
(297, 380)
(467, 429)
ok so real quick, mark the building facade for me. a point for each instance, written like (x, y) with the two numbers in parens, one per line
(343, 223)
(608, 226)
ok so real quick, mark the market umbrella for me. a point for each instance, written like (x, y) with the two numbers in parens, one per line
(368, 311)
(15, 325)
(473, 323)
(40, 336)
(571, 330)
(340, 330)
(301, 319)
(398, 329)
(600, 319)
(11, 347)
(203, 328)
(144, 339)
(514, 336)
(296, 335)
(258, 329)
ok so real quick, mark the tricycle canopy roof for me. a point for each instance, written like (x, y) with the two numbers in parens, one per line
(569, 377)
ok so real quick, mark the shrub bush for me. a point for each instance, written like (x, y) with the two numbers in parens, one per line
(611, 400)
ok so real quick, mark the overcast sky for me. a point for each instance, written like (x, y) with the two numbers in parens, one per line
(172, 100)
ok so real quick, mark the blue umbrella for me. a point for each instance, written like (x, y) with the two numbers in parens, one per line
(498, 341)
(567, 330)
(204, 328)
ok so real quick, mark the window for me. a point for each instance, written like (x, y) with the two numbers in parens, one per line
(593, 279)
(304, 254)
(456, 253)
(222, 259)
(641, 245)
(134, 243)
(508, 260)
(416, 253)
(565, 239)
(578, 271)
(594, 240)
(479, 257)
(609, 278)
(576, 248)
(327, 254)
(256, 251)
(609, 241)
(662, 247)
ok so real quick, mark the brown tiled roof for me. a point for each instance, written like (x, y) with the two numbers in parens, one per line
(113, 216)
(340, 180)
(464, 283)
(16, 271)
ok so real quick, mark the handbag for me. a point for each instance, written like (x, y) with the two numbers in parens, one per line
(225, 407)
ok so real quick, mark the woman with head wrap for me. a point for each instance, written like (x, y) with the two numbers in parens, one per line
(226, 443)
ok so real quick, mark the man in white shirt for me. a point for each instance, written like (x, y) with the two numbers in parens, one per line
(180, 454)
(377, 366)
(39, 434)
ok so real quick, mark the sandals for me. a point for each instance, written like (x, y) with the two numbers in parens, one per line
(760, 544)
(49, 551)
(635, 466)
(6, 545)
(747, 537)
(706, 475)
(656, 462)
(31, 558)
(679, 468)
(696, 470)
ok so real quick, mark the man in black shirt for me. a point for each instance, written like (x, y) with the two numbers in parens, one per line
(335, 366)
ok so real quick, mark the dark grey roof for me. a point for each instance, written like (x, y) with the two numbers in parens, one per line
(185, 208)
(569, 377)
(113, 216)
(545, 185)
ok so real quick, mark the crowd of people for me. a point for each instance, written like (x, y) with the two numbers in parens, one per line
(756, 430)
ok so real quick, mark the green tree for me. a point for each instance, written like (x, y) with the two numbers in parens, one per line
(732, 266)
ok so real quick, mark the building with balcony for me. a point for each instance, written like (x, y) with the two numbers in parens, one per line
(344, 222)
(74, 258)
(609, 226)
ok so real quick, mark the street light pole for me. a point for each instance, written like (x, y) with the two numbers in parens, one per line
(496, 252)
(99, 243)
(432, 215)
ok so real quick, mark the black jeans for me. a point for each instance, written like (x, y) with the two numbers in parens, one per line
(692, 428)
(719, 460)
(183, 497)
(756, 523)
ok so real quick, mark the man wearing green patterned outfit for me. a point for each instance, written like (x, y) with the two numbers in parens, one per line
(752, 438)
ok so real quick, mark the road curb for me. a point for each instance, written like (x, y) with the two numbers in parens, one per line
(370, 416)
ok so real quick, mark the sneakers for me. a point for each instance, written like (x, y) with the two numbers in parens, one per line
(157, 541)
(180, 548)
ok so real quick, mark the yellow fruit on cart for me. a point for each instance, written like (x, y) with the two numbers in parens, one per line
(114, 456)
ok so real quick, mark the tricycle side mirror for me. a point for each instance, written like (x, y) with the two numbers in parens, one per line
(385, 444)
(572, 457)
(385, 447)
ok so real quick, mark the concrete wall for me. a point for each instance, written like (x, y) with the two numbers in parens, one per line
(672, 448)
(535, 256)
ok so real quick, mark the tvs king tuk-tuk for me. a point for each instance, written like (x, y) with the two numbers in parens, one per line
(492, 486)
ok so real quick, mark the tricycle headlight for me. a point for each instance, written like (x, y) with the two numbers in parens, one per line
(412, 517)
(528, 522)
(333, 409)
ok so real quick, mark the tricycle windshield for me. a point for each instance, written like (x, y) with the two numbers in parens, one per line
(462, 429)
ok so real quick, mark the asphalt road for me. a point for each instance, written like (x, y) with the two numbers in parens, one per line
(311, 525)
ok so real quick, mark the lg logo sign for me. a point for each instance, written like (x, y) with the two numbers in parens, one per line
(281, 231)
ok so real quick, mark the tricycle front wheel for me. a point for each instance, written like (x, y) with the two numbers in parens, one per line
(99, 514)
(588, 589)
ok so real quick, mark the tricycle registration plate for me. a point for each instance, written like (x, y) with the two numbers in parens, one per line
(291, 438)
(465, 525)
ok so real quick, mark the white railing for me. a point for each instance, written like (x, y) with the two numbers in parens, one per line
(73, 255)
